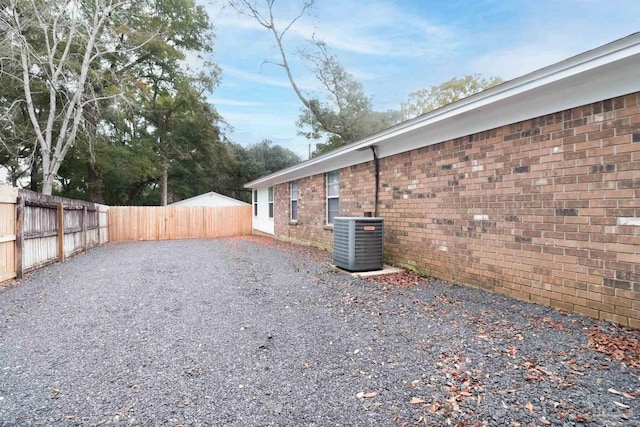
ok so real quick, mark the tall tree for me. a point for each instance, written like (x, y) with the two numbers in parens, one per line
(131, 172)
(265, 17)
(346, 107)
(265, 158)
(195, 152)
(346, 113)
(18, 150)
(167, 89)
(73, 59)
(253, 162)
(424, 100)
(52, 47)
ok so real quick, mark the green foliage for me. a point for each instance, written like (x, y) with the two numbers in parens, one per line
(144, 104)
(333, 142)
(264, 158)
(162, 124)
(200, 157)
(346, 114)
(424, 100)
(253, 162)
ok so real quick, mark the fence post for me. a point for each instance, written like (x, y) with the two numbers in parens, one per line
(84, 229)
(19, 237)
(60, 232)
(98, 211)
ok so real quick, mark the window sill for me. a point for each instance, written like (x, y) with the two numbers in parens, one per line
(328, 227)
(293, 222)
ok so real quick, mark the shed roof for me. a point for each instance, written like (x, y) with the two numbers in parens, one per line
(207, 196)
(602, 73)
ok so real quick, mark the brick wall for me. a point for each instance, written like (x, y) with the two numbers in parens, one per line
(310, 228)
(541, 210)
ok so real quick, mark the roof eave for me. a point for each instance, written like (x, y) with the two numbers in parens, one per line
(483, 101)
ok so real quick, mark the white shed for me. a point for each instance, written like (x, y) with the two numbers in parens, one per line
(210, 199)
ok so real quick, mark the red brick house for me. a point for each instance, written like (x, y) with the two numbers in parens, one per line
(529, 189)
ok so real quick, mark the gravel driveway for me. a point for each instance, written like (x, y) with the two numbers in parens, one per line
(251, 332)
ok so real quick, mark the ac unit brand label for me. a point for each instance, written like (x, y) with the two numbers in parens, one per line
(369, 228)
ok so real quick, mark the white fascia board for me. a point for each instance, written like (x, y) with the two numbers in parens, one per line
(605, 83)
(598, 74)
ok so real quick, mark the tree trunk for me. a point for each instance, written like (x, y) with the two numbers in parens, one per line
(33, 181)
(47, 185)
(94, 189)
(93, 185)
(165, 177)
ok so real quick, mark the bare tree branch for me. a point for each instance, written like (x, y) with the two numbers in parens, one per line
(53, 49)
(250, 9)
(305, 7)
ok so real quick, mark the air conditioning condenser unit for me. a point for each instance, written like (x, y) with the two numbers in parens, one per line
(358, 243)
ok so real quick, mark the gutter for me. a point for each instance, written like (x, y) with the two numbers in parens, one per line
(376, 161)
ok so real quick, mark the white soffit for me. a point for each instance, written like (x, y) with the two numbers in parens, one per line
(603, 73)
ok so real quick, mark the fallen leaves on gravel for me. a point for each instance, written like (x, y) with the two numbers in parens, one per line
(582, 418)
(401, 280)
(621, 347)
(538, 373)
(467, 388)
(538, 323)
(11, 284)
(56, 392)
(363, 395)
(621, 393)
(622, 405)
(269, 242)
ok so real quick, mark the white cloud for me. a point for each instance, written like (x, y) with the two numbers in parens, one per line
(516, 61)
(305, 81)
(362, 75)
(381, 29)
(259, 120)
(228, 70)
(236, 103)
(369, 28)
(250, 128)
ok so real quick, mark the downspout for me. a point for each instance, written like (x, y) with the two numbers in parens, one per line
(376, 162)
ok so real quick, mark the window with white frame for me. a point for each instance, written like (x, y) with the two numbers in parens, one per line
(294, 200)
(255, 202)
(333, 195)
(270, 202)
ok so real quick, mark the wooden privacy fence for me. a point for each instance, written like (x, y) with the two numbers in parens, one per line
(8, 200)
(55, 228)
(37, 230)
(177, 222)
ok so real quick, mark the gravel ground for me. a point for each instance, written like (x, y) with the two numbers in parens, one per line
(253, 332)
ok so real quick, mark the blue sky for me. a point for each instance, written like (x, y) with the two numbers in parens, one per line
(394, 47)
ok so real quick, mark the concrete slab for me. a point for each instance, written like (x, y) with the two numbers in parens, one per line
(386, 270)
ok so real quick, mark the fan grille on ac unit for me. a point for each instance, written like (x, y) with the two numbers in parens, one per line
(358, 243)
